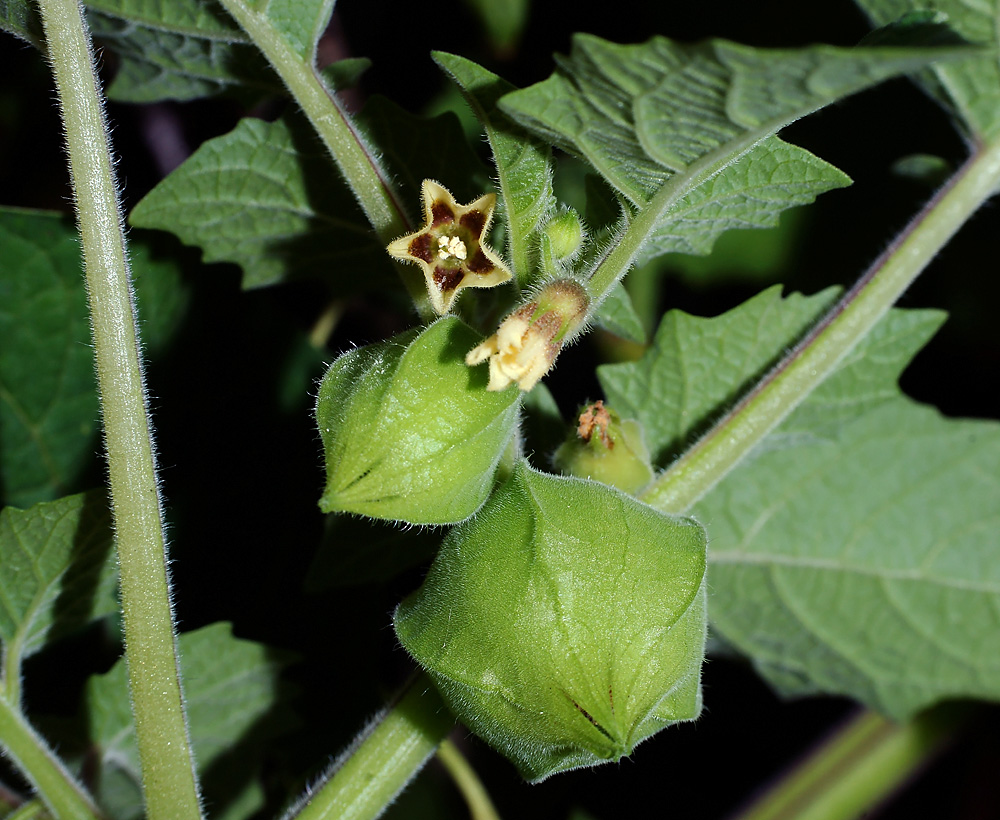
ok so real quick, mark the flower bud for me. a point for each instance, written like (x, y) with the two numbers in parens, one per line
(605, 448)
(564, 234)
(564, 623)
(408, 431)
(527, 342)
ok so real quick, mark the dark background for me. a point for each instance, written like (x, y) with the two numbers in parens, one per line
(241, 465)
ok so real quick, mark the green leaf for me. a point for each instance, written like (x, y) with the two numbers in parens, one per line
(970, 89)
(697, 367)
(59, 573)
(564, 623)
(504, 20)
(180, 50)
(266, 197)
(409, 431)
(21, 19)
(298, 22)
(853, 556)
(524, 164)
(617, 315)
(345, 73)
(188, 49)
(750, 193)
(848, 549)
(48, 400)
(417, 148)
(231, 691)
(701, 119)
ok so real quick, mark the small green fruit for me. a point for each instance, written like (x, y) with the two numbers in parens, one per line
(409, 432)
(604, 447)
(564, 623)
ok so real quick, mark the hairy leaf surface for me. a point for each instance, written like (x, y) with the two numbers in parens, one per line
(851, 551)
(969, 88)
(697, 367)
(59, 572)
(179, 50)
(524, 164)
(701, 119)
(617, 314)
(21, 19)
(48, 399)
(231, 689)
(266, 197)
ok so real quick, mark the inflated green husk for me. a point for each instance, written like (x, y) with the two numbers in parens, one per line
(409, 432)
(564, 623)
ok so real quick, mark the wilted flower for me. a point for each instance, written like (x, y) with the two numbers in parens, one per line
(450, 248)
(527, 342)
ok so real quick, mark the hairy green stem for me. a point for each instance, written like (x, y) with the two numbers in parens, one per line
(703, 466)
(9, 799)
(857, 768)
(617, 260)
(468, 782)
(60, 793)
(28, 811)
(169, 782)
(383, 759)
(357, 162)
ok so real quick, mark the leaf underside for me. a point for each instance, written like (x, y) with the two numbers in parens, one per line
(701, 119)
(851, 551)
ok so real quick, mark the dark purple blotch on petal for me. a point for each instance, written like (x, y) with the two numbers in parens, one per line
(420, 247)
(480, 263)
(447, 279)
(441, 212)
(474, 221)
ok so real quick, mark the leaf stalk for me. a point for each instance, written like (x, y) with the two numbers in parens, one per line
(56, 787)
(857, 768)
(814, 358)
(383, 759)
(358, 163)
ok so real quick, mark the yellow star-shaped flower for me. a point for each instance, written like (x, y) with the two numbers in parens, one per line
(450, 248)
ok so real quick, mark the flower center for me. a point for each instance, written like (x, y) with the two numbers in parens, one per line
(451, 247)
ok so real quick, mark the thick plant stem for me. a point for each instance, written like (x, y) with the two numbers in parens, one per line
(703, 466)
(56, 787)
(384, 759)
(169, 783)
(358, 163)
(857, 768)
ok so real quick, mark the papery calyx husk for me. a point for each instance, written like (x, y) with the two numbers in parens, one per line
(564, 623)
(409, 432)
